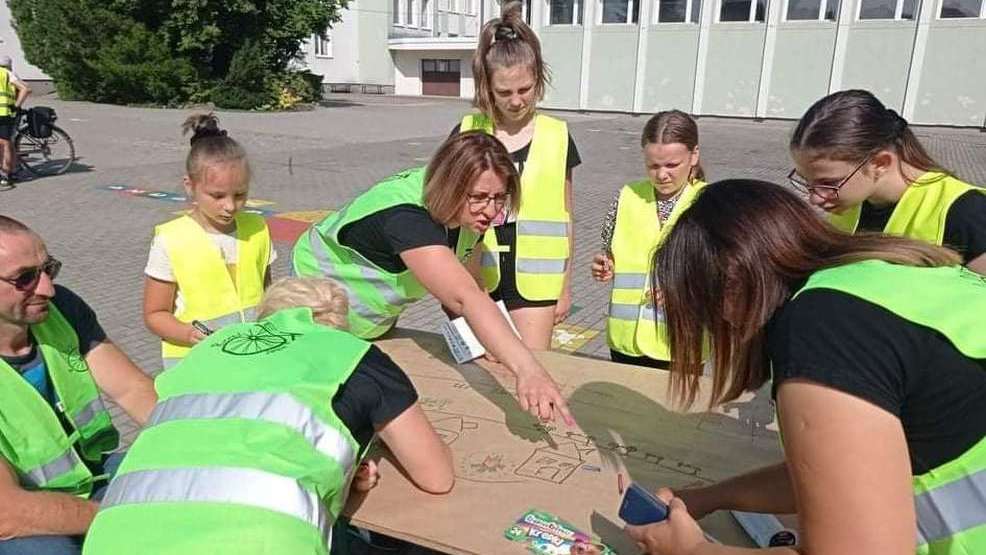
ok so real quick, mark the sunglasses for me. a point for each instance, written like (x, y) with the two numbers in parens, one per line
(28, 279)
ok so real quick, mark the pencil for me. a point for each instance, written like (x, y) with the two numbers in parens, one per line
(619, 482)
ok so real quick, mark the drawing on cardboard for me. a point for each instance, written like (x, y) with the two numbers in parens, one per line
(449, 428)
(551, 465)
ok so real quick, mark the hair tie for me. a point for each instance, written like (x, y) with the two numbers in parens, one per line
(505, 32)
(899, 123)
(205, 133)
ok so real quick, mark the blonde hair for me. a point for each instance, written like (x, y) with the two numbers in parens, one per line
(503, 43)
(456, 167)
(327, 299)
(210, 146)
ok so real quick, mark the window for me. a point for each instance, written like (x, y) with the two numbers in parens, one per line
(678, 11)
(619, 11)
(962, 8)
(323, 45)
(565, 12)
(812, 10)
(408, 12)
(439, 66)
(526, 10)
(743, 10)
(397, 11)
(425, 14)
(887, 9)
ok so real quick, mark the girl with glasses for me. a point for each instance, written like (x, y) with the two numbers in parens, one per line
(208, 268)
(409, 235)
(526, 257)
(640, 218)
(861, 162)
(874, 349)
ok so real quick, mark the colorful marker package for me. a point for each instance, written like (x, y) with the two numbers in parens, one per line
(546, 534)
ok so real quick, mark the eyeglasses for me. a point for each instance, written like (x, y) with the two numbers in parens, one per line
(827, 191)
(28, 279)
(478, 203)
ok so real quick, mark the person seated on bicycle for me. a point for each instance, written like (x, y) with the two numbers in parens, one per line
(13, 93)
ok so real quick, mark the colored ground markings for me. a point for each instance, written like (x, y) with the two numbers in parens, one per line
(288, 226)
(253, 206)
(569, 338)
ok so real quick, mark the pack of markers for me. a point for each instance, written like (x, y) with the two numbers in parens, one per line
(546, 534)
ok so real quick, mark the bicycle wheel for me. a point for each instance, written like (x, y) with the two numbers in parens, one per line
(49, 156)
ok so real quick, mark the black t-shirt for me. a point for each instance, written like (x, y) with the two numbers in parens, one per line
(376, 392)
(382, 236)
(911, 371)
(83, 320)
(965, 223)
(519, 156)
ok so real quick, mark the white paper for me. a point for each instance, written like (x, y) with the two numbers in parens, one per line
(461, 340)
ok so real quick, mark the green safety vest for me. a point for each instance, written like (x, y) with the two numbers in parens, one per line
(921, 211)
(950, 500)
(209, 292)
(32, 439)
(635, 326)
(243, 452)
(8, 94)
(542, 248)
(376, 297)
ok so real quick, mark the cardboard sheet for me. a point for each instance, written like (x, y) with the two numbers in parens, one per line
(507, 462)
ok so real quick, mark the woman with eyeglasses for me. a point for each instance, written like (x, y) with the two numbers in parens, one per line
(875, 351)
(861, 162)
(409, 235)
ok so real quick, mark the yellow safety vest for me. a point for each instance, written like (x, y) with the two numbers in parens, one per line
(637, 327)
(207, 289)
(921, 211)
(542, 248)
(8, 94)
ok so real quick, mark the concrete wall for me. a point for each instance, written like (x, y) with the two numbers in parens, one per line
(612, 67)
(669, 78)
(343, 66)
(376, 65)
(562, 50)
(10, 45)
(952, 85)
(802, 66)
(732, 73)
(878, 55)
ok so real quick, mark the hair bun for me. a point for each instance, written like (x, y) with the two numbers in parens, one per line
(505, 31)
(202, 126)
(205, 133)
(899, 123)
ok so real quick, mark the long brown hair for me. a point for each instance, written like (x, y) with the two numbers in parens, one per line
(669, 127)
(733, 259)
(457, 165)
(851, 125)
(506, 42)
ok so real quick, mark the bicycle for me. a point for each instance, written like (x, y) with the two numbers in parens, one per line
(41, 155)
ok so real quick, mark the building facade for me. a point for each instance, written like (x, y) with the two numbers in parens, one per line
(741, 58)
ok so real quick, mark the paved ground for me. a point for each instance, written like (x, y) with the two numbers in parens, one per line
(317, 160)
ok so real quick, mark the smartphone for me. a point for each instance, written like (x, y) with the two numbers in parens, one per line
(640, 507)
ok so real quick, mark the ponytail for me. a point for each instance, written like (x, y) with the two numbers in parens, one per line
(503, 43)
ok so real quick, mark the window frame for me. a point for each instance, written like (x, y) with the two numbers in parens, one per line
(320, 43)
(578, 7)
(898, 12)
(820, 16)
(751, 17)
(941, 7)
(689, 11)
(630, 13)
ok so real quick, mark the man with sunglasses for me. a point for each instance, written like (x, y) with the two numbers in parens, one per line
(55, 433)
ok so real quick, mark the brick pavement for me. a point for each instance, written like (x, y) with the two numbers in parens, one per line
(318, 160)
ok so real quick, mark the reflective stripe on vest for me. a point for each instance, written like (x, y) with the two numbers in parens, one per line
(921, 211)
(279, 408)
(241, 486)
(636, 327)
(89, 412)
(51, 471)
(952, 508)
(542, 245)
(209, 293)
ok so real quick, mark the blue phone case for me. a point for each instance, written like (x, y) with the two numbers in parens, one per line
(640, 507)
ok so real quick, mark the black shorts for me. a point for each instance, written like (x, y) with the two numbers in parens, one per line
(506, 291)
(6, 127)
(623, 358)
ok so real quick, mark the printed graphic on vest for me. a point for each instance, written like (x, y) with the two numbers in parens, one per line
(260, 339)
(76, 362)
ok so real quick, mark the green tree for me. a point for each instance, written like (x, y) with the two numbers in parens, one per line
(237, 53)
